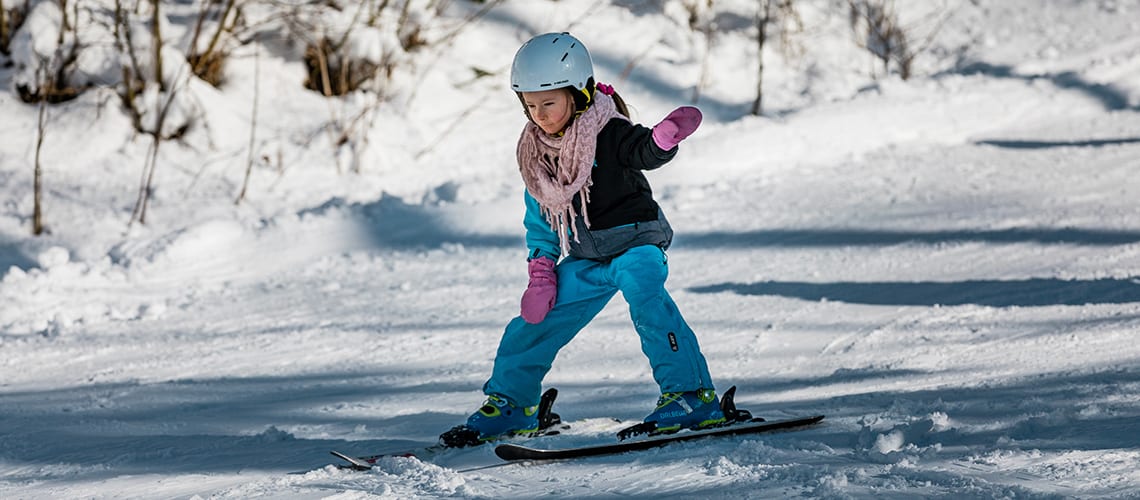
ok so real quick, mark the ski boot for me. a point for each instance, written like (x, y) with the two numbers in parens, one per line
(682, 410)
(499, 418)
(689, 410)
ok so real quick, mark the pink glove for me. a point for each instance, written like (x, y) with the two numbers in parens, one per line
(538, 299)
(676, 127)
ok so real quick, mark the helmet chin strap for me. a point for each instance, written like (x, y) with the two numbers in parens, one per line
(569, 122)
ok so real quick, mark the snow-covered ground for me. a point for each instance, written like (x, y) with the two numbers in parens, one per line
(947, 267)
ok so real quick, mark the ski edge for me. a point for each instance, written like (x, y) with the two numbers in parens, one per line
(513, 452)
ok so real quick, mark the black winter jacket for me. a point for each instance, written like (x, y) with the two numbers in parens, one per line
(620, 194)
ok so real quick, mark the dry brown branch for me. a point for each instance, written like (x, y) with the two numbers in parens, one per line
(209, 64)
(374, 15)
(877, 28)
(131, 83)
(770, 12)
(5, 37)
(163, 109)
(252, 122)
(54, 84)
(702, 21)
(332, 72)
(156, 31)
(64, 25)
(37, 183)
(763, 17)
(149, 168)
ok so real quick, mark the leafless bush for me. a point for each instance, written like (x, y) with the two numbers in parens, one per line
(50, 79)
(701, 20)
(332, 72)
(153, 98)
(132, 78)
(11, 17)
(209, 62)
(4, 29)
(44, 73)
(151, 72)
(359, 49)
(877, 28)
(252, 126)
(48, 84)
(781, 13)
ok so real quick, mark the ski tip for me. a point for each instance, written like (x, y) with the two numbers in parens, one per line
(355, 463)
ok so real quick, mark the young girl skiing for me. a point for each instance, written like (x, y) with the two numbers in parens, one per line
(588, 203)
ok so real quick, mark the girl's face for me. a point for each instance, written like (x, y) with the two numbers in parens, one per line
(551, 110)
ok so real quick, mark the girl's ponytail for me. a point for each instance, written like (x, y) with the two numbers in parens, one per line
(618, 101)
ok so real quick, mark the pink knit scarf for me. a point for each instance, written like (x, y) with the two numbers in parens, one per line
(557, 168)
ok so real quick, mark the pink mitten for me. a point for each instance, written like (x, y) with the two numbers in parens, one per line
(538, 299)
(676, 127)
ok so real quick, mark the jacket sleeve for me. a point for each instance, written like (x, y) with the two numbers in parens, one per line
(634, 145)
(541, 240)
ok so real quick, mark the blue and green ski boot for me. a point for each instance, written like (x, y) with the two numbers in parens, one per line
(686, 410)
(497, 418)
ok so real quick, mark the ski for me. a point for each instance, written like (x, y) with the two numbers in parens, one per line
(367, 462)
(512, 452)
(549, 424)
(738, 422)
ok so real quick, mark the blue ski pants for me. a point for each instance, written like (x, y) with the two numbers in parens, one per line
(585, 286)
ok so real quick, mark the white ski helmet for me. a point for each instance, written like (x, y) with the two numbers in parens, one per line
(551, 61)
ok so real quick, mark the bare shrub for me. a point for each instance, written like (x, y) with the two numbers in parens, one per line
(5, 31)
(877, 28)
(209, 62)
(49, 76)
(151, 72)
(55, 88)
(780, 13)
(154, 80)
(701, 19)
(11, 18)
(361, 48)
(132, 82)
(333, 72)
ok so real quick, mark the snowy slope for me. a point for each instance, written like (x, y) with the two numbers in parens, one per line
(948, 267)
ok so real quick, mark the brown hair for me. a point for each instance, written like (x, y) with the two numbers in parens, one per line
(620, 104)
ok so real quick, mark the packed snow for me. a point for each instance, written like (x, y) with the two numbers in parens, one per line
(947, 266)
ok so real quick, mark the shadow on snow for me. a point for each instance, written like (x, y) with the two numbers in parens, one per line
(1110, 96)
(12, 256)
(1057, 411)
(1026, 144)
(994, 293)
(394, 224)
(220, 425)
(226, 425)
(867, 237)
